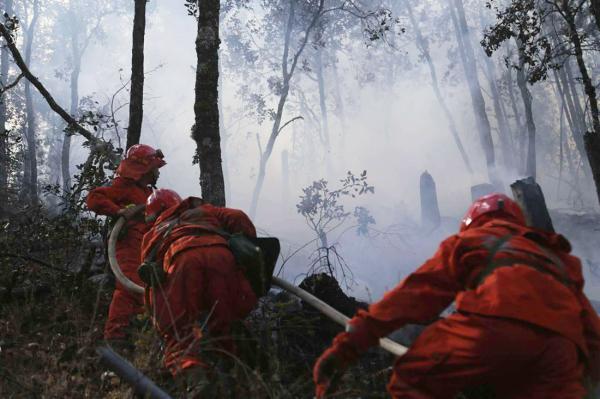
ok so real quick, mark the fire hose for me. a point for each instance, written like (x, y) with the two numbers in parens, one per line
(142, 385)
(385, 343)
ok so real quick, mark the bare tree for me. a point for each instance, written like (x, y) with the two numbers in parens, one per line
(288, 67)
(83, 22)
(467, 56)
(423, 47)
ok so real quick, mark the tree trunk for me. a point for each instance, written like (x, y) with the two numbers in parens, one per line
(571, 83)
(468, 60)
(224, 136)
(591, 139)
(4, 150)
(504, 133)
(136, 102)
(595, 9)
(340, 107)
(322, 98)
(30, 182)
(323, 107)
(264, 157)
(74, 86)
(205, 131)
(287, 72)
(569, 110)
(424, 49)
(566, 150)
(530, 160)
(511, 95)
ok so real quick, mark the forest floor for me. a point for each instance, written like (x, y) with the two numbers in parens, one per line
(48, 348)
(52, 319)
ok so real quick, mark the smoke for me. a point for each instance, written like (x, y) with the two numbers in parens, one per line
(394, 128)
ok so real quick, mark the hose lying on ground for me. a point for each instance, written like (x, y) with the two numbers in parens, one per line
(385, 343)
(142, 385)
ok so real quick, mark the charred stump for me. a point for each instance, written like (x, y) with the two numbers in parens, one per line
(530, 197)
(430, 211)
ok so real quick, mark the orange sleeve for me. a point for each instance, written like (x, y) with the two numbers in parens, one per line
(235, 221)
(418, 299)
(100, 200)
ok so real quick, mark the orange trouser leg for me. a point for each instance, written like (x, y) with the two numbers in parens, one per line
(516, 359)
(123, 307)
(203, 295)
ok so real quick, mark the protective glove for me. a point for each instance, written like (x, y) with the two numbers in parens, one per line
(328, 367)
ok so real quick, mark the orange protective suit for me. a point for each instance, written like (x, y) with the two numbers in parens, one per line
(523, 324)
(205, 290)
(108, 201)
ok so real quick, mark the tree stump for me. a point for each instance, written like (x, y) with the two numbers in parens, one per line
(430, 211)
(530, 197)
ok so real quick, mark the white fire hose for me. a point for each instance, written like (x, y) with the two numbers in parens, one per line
(385, 343)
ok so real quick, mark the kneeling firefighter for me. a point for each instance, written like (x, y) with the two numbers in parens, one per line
(198, 290)
(522, 325)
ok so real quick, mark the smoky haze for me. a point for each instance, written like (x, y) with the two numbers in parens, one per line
(393, 127)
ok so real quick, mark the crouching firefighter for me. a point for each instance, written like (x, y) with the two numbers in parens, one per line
(522, 326)
(198, 290)
(125, 196)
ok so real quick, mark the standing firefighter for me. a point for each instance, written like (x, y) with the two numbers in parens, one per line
(523, 325)
(136, 175)
(198, 291)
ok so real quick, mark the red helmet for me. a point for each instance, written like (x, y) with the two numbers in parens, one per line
(143, 153)
(161, 200)
(139, 160)
(499, 204)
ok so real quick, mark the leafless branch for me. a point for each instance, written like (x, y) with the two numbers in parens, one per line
(72, 124)
(288, 122)
(11, 85)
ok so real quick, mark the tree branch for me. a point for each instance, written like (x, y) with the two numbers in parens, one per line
(10, 86)
(314, 21)
(288, 122)
(260, 150)
(72, 124)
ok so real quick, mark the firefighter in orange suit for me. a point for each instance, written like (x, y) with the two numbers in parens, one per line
(522, 323)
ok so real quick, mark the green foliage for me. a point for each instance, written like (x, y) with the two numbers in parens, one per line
(522, 20)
